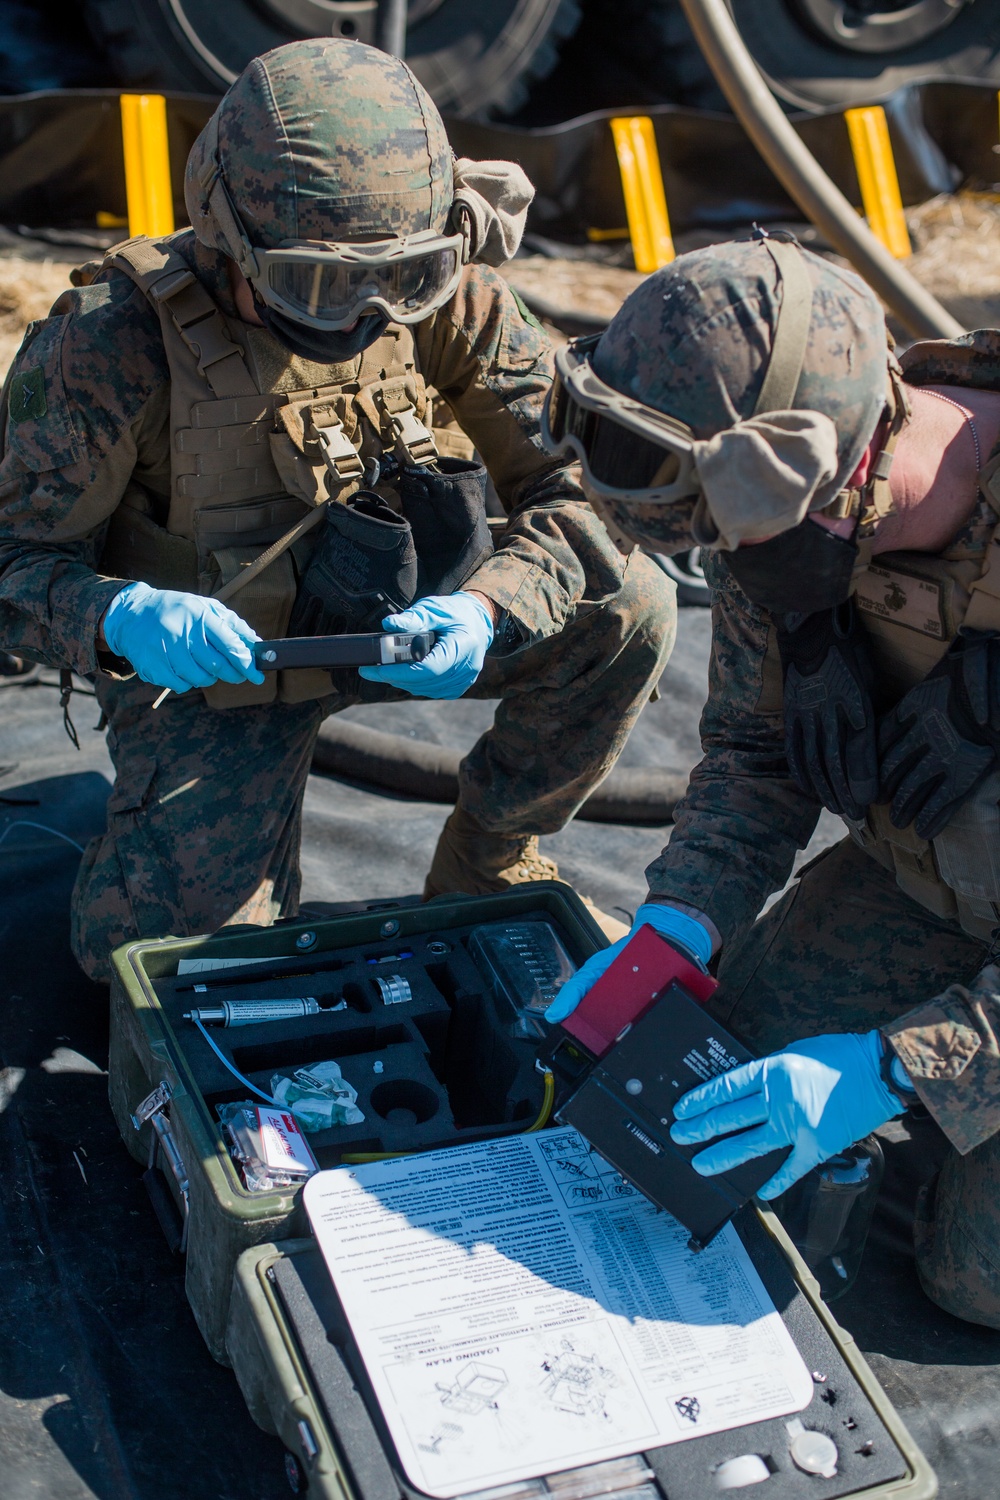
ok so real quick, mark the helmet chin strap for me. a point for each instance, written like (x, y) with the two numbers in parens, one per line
(872, 502)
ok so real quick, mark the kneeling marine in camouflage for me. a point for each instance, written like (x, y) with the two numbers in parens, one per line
(848, 506)
(265, 425)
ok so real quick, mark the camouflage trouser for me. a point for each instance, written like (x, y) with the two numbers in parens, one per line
(846, 950)
(205, 818)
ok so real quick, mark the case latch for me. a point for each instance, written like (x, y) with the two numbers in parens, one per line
(150, 1112)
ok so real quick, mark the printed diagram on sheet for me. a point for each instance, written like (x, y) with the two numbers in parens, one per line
(521, 1309)
(582, 1177)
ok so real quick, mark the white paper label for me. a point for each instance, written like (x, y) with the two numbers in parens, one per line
(521, 1310)
(282, 1142)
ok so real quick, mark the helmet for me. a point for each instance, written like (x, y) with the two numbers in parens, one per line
(323, 139)
(320, 145)
(735, 392)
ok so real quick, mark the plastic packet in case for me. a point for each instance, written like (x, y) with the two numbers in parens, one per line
(267, 1145)
(527, 966)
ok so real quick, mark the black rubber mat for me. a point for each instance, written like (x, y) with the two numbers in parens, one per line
(106, 1390)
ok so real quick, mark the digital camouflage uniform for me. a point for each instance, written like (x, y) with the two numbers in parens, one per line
(845, 949)
(204, 819)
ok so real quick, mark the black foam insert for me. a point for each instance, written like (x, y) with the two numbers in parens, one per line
(440, 1068)
(868, 1456)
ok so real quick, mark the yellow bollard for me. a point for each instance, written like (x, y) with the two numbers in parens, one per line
(147, 164)
(869, 135)
(642, 184)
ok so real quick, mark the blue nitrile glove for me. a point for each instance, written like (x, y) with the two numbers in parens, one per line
(686, 933)
(465, 633)
(817, 1096)
(179, 641)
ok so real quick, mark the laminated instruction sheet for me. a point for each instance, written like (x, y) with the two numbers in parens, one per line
(521, 1309)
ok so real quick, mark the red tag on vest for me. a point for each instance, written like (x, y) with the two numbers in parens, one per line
(628, 987)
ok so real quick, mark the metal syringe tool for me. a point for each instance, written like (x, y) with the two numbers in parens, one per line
(252, 1012)
(327, 651)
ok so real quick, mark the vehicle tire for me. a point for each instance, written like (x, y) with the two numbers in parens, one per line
(633, 52)
(472, 58)
(643, 52)
(820, 54)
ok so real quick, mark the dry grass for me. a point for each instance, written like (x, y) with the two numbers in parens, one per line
(28, 289)
(956, 243)
(956, 255)
(586, 285)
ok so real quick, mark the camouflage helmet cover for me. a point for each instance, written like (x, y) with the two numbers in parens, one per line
(323, 139)
(694, 340)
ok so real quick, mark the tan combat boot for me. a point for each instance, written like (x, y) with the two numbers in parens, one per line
(478, 863)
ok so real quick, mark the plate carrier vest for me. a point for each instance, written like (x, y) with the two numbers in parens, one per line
(252, 470)
(913, 604)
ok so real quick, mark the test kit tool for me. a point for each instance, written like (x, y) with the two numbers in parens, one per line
(252, 1012)
(378, 649)
(375, 650)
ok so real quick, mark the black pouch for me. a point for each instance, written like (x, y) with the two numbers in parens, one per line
(446, 508)
(364, 568)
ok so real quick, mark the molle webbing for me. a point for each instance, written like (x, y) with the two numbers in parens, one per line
(166, 279)
(238, 451)
(913, 605)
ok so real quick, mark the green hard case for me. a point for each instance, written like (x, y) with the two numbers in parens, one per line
(456, 1038)
(284, 1397)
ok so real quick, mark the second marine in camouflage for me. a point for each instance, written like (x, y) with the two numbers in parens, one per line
(743, 399)
(329, 323)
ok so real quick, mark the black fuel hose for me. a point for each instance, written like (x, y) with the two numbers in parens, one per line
(803, 178)
(417, 768)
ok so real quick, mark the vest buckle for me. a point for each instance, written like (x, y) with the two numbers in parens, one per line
(414, 444)
(339, 453)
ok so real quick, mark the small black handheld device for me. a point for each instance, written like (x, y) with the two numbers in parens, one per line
(380, 649)
(637, 1042)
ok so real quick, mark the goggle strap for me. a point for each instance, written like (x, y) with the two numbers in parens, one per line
(791, 329)
(222, 207)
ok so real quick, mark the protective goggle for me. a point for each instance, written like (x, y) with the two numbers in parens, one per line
(632, 452)
(328, 286)
(628, 451)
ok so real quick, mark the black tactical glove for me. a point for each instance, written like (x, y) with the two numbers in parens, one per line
(829, 716)
(365, 567)
(942, 738)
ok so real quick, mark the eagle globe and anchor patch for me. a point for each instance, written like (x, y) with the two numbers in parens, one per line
(27, 395)
(902, 599)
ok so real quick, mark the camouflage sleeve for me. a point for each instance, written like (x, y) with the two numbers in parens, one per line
(86, 407)
(742, 819)
(950, 1048)
(492, 362)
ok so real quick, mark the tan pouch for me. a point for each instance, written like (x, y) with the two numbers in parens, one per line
(266, 604)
